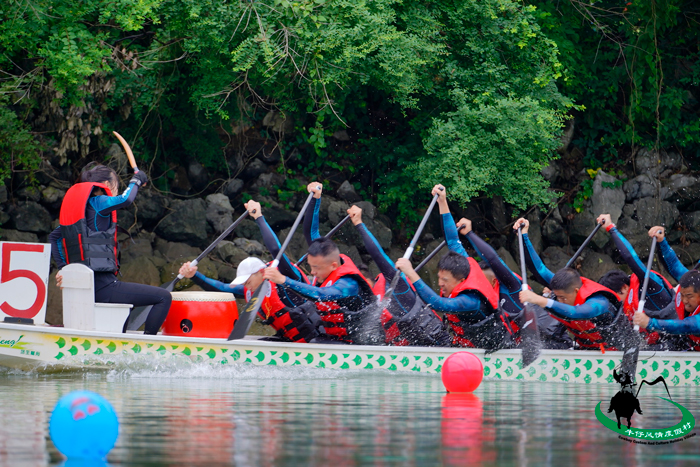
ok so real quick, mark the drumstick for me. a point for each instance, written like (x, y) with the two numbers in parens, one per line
(128, 151)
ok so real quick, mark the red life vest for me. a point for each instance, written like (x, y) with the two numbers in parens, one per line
(289, 321)
(97, 250)
(475, 282)
(584, 331)
(379, 288)
(632, 303)
(680, 306)
(680, 310)
(332, 314)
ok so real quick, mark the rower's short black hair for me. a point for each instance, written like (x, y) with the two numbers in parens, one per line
(565, 279)
(323, 247)
(484, 265)
(615, 280)
(455, 264)
(691, 279)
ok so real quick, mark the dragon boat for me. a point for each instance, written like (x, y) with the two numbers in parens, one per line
(196, 330)
(55, 349)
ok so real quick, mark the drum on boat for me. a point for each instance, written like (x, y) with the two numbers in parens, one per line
(201, 314)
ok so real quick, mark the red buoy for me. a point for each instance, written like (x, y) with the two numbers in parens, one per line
(462, 372)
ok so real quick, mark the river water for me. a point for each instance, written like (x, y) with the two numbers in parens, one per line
(270, 416)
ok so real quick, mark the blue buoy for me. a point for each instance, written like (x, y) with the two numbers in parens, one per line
(83, 426)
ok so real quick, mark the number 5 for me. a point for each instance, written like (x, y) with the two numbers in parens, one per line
(6, 275)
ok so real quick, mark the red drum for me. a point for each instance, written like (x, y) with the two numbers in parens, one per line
(201, 314)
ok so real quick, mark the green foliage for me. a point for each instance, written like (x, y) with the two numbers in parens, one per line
(458, 92)
(499, 148)
(19, 150)
(636, 68)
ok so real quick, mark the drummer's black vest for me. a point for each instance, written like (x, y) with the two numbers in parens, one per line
(98, 250)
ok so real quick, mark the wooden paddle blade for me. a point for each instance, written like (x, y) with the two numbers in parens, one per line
(530, 342)
(247, 316)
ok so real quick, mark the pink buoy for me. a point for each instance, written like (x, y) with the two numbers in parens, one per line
(462, 372)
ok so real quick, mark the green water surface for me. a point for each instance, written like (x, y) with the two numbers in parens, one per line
(270, 416)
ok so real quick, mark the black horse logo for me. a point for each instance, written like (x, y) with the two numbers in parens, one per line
(625, 402)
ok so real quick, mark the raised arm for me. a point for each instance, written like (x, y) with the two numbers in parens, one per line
(271, 241)
(106, 204)
(668, 256)
(656, 284)
(534, 263)
(311, 217)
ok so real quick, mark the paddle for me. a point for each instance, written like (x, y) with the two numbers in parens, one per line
(431, 255)
(530, 336)
(643, 298)
(583, 245)
(139, 315)
(328, 235)
(246, 317)
(435, 251)
(409, 251)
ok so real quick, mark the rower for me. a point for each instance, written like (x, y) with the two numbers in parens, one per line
(295, 302)
(407, 320)
(470, 305)
(88, 235)
(341, 293)
(504, 281)
(592, 312)
(686, 305)
(280, 310)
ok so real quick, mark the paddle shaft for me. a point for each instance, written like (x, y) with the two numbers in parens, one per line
(583, 245)
(431, 255)
(246, 317)
(523, 268)
(216, 242)
(412, 245)
(328, 235)
(647, 274)
(435, 251)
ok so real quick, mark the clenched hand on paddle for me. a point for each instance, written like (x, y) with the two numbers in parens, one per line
(246, 317)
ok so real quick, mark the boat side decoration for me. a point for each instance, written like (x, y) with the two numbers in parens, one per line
(57, 349)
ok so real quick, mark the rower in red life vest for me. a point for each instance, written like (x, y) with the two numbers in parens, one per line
(627, 288)
(284, 312)
(504, 281)
(468, 300)
(344, 298)
(407, 320)
(687, 304)
(88, 235)
(592, 312)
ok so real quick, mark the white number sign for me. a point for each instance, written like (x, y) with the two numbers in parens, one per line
(24, 279)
